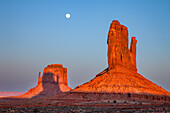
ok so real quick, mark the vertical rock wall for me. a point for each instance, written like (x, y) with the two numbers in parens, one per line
(56, 74)
(118, 52)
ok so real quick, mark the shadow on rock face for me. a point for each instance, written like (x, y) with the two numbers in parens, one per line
(50, 84)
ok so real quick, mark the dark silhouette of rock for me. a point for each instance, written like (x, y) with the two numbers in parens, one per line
(121, 75)
(53, 81)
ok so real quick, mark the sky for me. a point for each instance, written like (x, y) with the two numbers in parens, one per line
(36, 33)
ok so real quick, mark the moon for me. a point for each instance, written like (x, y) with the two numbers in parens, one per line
(67, 15)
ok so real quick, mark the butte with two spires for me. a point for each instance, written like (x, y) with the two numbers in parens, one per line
(118, 87)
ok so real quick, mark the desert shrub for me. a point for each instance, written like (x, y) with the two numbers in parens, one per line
(35, 110)
(163, 109)
(140, 103)
(129, 95)
(114, 101)
(146, 96)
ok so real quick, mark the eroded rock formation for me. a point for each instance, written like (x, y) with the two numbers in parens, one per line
(118, 52)
(121, 75)
(53, 81)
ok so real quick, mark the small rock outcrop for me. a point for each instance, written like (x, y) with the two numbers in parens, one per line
(121, 75)
(53, 81)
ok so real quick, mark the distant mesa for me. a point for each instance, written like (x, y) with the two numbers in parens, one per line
(121, 75)
(53, 81)
(7, 93)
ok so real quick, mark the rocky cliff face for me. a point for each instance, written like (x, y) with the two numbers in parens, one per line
(118, 52)
(121, 75)
(53, 81)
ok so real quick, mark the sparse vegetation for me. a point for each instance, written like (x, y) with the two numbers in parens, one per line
(35, 110)
(129, 95)
(140, 103)
(59, 109)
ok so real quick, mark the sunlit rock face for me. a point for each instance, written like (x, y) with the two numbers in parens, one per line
(121, 75)
(53, 81)
(118, 52)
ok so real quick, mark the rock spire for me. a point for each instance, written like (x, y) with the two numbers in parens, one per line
(118, 52)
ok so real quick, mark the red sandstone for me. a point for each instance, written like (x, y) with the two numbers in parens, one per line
(119, 87)
(121, 76)
(53, 81)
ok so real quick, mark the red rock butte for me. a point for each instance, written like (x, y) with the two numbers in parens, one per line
(121, 75)
(53, 81)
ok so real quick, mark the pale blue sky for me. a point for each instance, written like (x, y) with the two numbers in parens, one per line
(35, 33)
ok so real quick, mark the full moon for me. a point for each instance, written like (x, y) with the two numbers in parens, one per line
(67, 15)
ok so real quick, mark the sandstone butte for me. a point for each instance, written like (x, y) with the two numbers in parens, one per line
(121, 76)
(53, 81)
